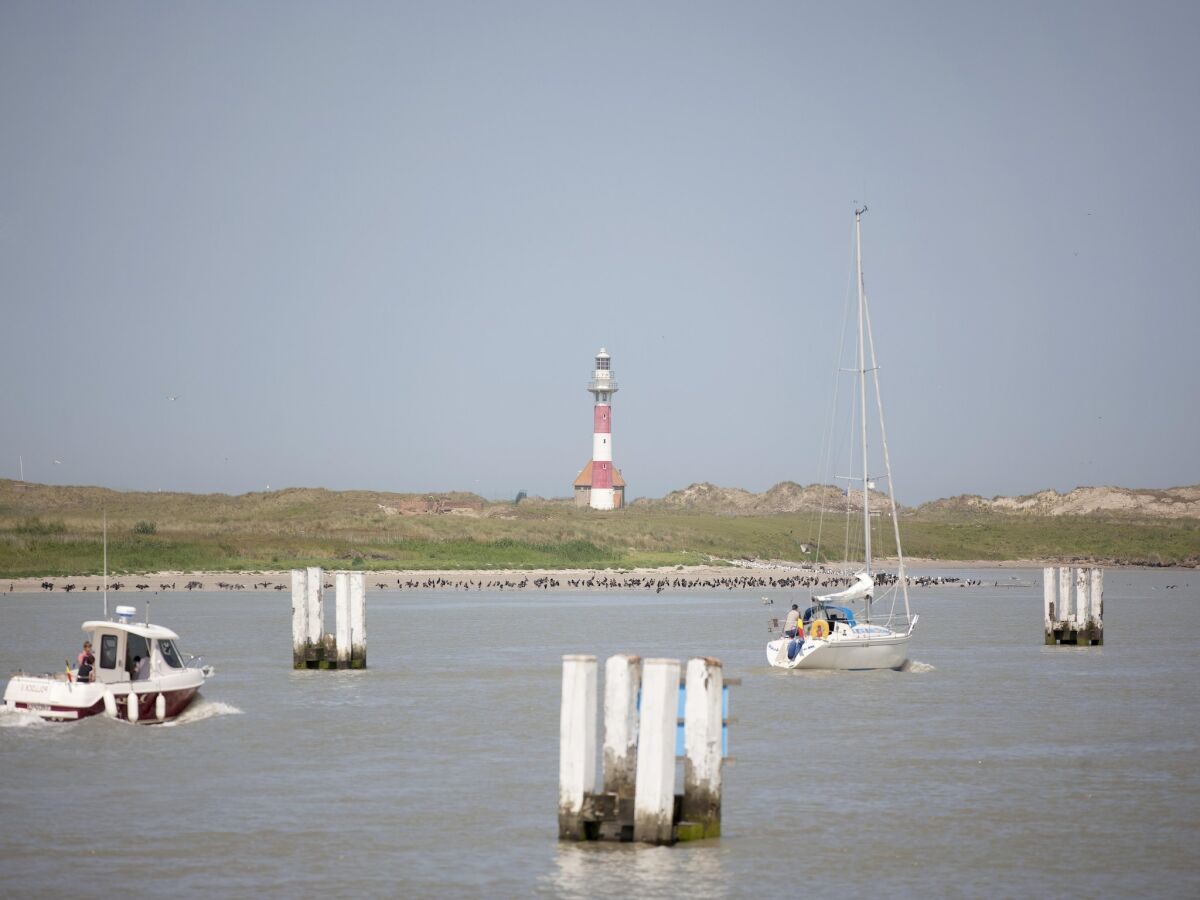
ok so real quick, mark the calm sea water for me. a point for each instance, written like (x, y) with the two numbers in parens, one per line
(995, 767)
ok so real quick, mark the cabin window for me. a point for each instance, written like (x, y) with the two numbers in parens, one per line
(169, 654)
(108, 651)
(135, 645)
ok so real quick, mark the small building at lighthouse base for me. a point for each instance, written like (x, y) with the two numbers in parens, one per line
(583, 487)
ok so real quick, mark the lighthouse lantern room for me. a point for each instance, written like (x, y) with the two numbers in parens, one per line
(600, 485)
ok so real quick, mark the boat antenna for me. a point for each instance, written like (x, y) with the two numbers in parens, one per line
(105, 514)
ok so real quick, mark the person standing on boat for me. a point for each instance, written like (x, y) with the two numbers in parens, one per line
(141, 668)
(85, 652)
(85, 671)
(789, 624)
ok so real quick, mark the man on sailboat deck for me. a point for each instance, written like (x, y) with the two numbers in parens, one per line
(789, 624)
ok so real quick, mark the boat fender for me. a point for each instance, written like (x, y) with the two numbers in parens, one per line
(160, 707)
(110, 704)
(820, 629)
(131, 706)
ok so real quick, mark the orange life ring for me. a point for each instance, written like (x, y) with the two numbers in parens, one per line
(819, 629)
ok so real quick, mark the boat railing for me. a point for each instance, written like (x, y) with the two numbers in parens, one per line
(900, 623)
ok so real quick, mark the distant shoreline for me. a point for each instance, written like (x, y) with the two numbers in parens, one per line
(158, 582)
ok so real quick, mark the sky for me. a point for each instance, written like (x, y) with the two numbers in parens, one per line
(377, 245)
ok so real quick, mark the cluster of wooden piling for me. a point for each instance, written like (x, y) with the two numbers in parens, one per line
(637, 801)
(346, 647)
(1082, 622)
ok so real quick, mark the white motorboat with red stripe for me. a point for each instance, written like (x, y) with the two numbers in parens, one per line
(159, 690)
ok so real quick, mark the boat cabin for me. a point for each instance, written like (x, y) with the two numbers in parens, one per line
(830, 613)
(117, 644)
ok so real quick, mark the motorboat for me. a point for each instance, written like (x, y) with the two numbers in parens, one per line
(138, 675)
(828, 634)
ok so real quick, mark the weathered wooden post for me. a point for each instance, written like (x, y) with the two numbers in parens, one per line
(1064, 593)
(316, 615)
(341, 586)
(622, 682)
(702, 732)
(1083, 624)
(1050, 601)
(654, 804)
(1097, 608)
(577, 744)
(358, 620)
(1082, 604)
(299, 617)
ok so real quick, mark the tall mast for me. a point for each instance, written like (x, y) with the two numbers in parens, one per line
(106, 564)
(862, 385)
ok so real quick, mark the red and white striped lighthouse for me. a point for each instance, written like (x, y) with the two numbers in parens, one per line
(600, 485)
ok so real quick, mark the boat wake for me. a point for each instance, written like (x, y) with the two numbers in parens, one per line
(202, 709)
(19, 718)
(917, 667)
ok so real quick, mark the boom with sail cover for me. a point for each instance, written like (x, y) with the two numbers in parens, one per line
(864, 586)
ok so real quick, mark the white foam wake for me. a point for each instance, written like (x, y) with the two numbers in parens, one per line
(915, 665)
(202, 709)
(20, 718)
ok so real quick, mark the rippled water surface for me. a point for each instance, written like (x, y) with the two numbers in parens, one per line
(996, 766)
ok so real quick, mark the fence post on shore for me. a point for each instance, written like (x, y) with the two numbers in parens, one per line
(299, 617)
(702, 732)
(358, 620)
(576, 743)
(654, 803)
(622, 681)
(341, 585)
(1050, 601)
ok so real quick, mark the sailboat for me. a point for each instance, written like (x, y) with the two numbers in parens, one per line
(829, 634)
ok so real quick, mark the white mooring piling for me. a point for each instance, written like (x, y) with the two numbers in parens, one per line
(643, 733)
(622, 683)
(358, 620)
(299, 617)
(577, 743)
(654, 790)
(341, 587)
(1080, 622)
(316, 605)
(346, 647)
(702, 734)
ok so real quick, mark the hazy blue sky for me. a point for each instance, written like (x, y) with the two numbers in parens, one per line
(377, 245)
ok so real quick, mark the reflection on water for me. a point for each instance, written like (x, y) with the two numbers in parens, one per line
(434, 772)
(589, 870)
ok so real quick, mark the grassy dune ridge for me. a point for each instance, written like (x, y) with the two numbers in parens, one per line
(55, 531)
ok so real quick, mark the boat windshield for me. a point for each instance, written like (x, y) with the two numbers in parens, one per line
(170, 654)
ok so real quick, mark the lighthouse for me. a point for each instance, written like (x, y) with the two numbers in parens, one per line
(599, 485)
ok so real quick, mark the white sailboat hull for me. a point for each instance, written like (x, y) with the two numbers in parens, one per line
(843, 653)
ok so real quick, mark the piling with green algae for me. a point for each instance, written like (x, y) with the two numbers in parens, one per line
(1080, 623)
(346, 648)
(641, 716)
